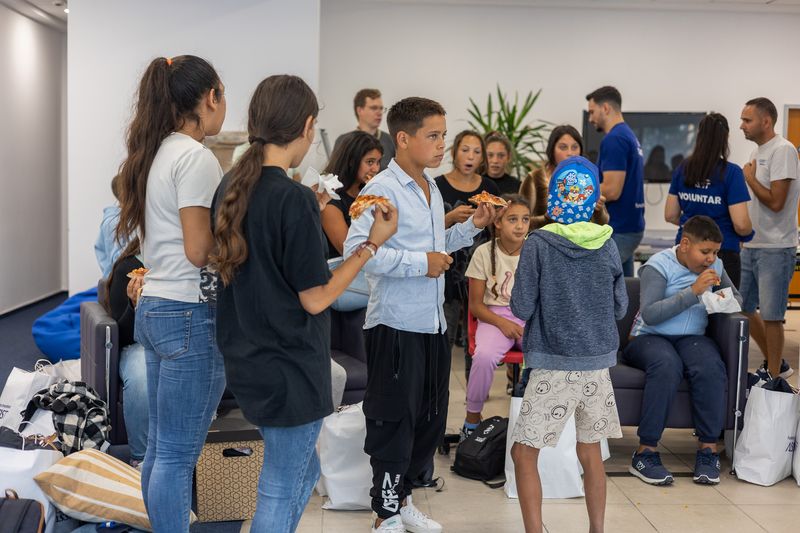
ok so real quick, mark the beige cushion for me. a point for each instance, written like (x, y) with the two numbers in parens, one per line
(95, 487)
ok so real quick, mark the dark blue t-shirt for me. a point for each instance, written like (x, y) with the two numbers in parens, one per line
(620, 150)
(712, 200)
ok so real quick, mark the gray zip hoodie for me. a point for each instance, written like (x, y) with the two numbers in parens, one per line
(570, 290)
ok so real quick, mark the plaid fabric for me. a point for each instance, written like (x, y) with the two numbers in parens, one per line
(79, 415)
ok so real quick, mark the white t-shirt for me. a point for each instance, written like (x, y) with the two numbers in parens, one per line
(480, 267)
(775, 160)
(184, 174)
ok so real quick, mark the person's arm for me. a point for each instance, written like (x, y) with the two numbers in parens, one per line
(198, 241)
(741, 219)
(334, 226)
(654, 307)
(620, 289)
(775, 196)
(672, 210)
(477, 291)
(613, 182)
(525, 294)
(461, 235)
(389, 261)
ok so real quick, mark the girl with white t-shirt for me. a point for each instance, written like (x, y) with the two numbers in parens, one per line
(491, 278)
(168, 181)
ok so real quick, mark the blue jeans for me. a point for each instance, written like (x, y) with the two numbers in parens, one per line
(135, 406)
(666, 360)
(627, 244)
(291, 469)
(185, 380)
(356, 296)
(766, 275)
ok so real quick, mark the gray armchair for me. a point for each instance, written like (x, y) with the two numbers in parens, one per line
(731, 333)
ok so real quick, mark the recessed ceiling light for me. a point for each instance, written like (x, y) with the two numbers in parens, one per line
(66, 10)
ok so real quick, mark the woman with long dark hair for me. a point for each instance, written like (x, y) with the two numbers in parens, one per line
(167, 182)
(564, 142)
(272, 326)
(706, 183)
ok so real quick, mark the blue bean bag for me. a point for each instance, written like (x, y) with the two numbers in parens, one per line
(57, 333)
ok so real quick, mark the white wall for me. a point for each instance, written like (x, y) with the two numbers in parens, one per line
(660, 60)
(31, 152)
(110, 45)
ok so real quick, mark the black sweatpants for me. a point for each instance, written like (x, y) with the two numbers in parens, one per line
(408, 376)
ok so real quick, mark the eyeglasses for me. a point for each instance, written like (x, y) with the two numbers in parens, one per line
(377, 108)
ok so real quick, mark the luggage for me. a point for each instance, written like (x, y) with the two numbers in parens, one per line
(482, 455)
(20, 515)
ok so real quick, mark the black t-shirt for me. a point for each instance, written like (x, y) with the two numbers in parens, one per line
(507, 184)
(277, 355)
(122, 311)
(455, 285)
(342, 205)
(452, 196)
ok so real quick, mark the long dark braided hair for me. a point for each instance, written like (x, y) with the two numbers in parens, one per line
(512, 199)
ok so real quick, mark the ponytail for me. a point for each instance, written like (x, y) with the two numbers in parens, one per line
(277, 115)
(167, 98)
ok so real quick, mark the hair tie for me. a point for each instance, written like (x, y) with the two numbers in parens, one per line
(253, 139)
(169, 61)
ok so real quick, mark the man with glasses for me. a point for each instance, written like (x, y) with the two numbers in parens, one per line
(368, 107)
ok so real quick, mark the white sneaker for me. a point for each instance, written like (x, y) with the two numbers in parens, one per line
(390, 525)
(416, 521)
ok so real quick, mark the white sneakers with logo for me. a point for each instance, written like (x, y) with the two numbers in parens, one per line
(410, 520)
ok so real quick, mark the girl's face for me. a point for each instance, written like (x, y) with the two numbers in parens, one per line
(469, 155)
(217, 107)
(515, 225)
(496, 159)
(566, 147)
(369, 166)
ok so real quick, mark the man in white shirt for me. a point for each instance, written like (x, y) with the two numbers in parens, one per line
(768, 260)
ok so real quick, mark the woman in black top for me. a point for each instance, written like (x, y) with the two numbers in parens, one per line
(122, 294)
(272, 328)
(356, 159)
(457, 186)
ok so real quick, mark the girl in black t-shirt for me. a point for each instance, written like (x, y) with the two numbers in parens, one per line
(457, 186)
(272, 327)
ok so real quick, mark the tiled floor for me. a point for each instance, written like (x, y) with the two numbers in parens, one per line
(634, 507)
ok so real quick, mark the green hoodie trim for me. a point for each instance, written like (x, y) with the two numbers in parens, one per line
(585, 234)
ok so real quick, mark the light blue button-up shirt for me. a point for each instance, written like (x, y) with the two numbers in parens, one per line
(401, 296)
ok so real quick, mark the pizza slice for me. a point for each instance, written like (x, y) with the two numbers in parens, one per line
(488, 198)
(138, 272)
(364, 202)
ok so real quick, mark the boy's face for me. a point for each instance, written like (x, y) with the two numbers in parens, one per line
(426, 147)
(700, 255)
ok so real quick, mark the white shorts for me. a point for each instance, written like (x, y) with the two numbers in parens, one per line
(552, 396)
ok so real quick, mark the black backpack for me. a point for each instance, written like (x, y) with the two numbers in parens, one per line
(20, 515)
(482, 455)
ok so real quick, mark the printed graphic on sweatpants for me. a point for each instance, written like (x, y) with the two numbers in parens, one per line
(552, 396)
(391, 500)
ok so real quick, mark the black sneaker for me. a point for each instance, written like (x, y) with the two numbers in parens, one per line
(786, 369)
(706, 467)
(647, 466)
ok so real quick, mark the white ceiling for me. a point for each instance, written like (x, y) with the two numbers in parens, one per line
(763, 6)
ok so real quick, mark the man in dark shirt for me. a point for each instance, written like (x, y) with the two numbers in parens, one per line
(368, 107)
(621, 172)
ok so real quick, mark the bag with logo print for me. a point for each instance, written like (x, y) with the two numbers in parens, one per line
(482, 455)
(764, 450)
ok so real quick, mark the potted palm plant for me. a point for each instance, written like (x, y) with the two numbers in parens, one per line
(528, 136)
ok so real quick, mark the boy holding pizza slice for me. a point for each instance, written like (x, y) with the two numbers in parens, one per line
(408, 360)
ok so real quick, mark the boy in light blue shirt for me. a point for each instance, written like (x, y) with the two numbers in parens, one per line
(408, 360)
(670, 343)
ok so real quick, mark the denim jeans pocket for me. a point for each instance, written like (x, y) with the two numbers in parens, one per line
(169, 332)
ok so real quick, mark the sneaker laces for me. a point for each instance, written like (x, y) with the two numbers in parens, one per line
(707, 459)
(651, 459)
(416, 513)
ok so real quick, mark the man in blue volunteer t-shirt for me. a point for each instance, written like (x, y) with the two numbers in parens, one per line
(621, 172)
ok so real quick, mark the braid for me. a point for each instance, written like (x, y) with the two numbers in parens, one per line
(492, 253)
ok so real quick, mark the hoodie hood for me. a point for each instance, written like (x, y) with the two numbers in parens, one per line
(575, 240)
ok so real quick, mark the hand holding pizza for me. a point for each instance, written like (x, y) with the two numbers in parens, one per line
(385, 223)
(135, 289)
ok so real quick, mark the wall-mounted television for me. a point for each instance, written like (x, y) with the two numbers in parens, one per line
(666, 139)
